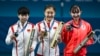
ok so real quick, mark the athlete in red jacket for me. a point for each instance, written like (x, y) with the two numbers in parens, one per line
(73, 33)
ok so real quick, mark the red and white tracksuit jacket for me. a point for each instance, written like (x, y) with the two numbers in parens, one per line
(75, 36)
(22, 39)
(44, 47)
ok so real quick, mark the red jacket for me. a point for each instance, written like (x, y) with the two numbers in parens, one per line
(73, 37)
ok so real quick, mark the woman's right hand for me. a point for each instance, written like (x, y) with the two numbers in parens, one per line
(42, 34)
(13, 36)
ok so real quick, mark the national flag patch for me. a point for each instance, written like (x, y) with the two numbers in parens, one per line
(54, 27)
(28, 30)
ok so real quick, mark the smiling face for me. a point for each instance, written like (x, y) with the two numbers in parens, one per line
(49, 12)
(75, 12)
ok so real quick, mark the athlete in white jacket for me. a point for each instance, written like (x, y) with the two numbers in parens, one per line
(47, 27)
(19, 34)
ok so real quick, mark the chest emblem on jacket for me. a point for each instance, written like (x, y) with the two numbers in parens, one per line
(28, 30)
(54, 27)
(83, 27)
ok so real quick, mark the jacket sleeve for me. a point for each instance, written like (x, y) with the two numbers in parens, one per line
(66, 34)
(63, 34)
(90, 41)
(8, 37)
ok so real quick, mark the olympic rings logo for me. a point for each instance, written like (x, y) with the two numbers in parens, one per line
(96, 36)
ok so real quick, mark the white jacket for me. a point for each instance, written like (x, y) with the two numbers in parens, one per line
(23, 37)
(44, 49)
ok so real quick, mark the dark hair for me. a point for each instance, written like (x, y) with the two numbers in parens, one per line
(75, 6)
(49, 6)
(23, 10)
